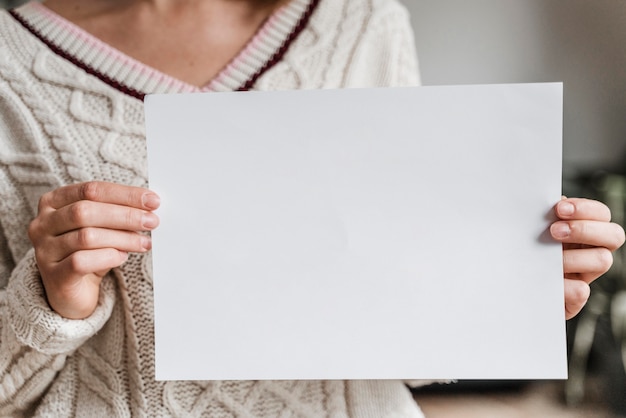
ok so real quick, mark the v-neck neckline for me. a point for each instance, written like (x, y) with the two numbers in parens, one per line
(135, 78)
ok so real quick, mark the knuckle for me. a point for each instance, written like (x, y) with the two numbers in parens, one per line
(78, 263)
(578, 229)
(86, 237)
(79, 212)
(133, 218)
(580, 295)
(90, 190)
(44, 201)
(133, 197)
(605, 259)
(33, 230)
(142, 241)
(577, 295)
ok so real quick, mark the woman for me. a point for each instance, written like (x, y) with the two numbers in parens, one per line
(77, 310)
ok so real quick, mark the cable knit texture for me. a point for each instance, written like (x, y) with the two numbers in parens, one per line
(69, 112)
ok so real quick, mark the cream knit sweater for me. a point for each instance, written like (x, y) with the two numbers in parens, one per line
(71, 111)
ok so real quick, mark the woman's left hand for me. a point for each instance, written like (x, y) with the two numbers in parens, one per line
(589, 239)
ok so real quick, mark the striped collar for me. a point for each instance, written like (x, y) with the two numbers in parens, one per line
(134, 78)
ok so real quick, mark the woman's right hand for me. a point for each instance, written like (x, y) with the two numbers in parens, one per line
(84, 230)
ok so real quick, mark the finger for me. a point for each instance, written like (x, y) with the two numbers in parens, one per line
(85, 214)
(82, 263)
(578, 208)
(587, 264)
(98, 191)
(576, 296)
(592, 233)
(63, 245)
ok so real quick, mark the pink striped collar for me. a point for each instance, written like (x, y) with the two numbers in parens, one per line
(137, 79)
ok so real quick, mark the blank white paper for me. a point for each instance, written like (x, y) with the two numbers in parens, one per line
(358, 234)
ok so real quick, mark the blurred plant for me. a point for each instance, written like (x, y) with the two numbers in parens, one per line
(607, 304)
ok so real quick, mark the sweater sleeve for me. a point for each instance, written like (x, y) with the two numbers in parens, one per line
(34, 340)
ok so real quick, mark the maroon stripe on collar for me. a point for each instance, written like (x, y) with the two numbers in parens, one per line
(278, 55)
(88, 69)
(275, 59)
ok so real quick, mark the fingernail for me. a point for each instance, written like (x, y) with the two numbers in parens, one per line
(566, 209)
(151, 200)
(146, 243)
(149, 220)
(560, 230)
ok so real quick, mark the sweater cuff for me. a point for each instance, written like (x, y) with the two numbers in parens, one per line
(36, 325)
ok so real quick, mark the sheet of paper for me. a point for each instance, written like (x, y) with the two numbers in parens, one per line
(358, 234)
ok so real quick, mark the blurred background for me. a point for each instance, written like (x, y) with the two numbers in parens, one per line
(579, 42)
(583, 44)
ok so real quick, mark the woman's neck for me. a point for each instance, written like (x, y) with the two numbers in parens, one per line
(191, 40)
